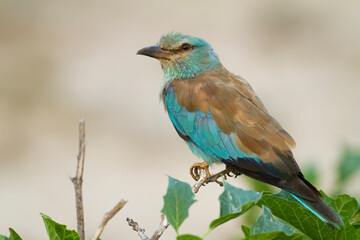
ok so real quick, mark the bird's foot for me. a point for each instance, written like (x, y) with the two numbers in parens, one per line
(197, 168)
(201, 174)
(215, 177)
(232, 173)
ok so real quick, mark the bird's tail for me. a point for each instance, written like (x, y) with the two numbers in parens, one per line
(298, 186)
(322, 211)
(314, 203)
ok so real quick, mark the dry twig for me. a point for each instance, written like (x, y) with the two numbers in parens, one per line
(108, 216)
(163, 225)
(78, 179)
(136, 228)
(141, 232)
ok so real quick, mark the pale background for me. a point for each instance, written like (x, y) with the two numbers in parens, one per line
(62, 61)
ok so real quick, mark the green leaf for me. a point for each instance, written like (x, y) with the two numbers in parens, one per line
(14, 235)
(2, 237)
(285, 207)
(233, 203)
(72, 235)
(188, 237)
(177, 201)
(343, 204)
(276, 236)
(58, 231)
(346, 232)
(268, 223)
(349, 163)
(246, 230)
(221, 220)
(233, 199)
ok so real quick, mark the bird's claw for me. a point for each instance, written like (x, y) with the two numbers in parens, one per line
(198, 170)
(195, 170)
(233, 173)
(225, 173)
(214, 178)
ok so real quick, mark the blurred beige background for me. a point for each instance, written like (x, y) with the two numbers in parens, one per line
(66, 60)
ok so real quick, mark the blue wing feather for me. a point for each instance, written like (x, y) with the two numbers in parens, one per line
(207, 140)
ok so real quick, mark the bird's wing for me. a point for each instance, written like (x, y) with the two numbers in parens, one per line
(201, 129)
(230, 124)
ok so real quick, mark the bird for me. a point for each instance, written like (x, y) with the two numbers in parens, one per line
(222, 120)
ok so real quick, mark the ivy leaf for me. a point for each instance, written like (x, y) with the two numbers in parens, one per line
(188, 237)
(233, 203)
(14, 235)
(58, 231)
(285, 207)
(268, 223)
(177, 201)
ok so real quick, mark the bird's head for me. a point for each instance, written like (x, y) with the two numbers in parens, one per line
(182, 56)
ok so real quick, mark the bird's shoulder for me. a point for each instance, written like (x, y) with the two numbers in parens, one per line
(234, 82)
(217, 83)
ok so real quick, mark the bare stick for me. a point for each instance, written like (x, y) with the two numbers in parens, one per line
(163, 225)
(136, 228)
(141, 232)
(108, 216)
(78, 179)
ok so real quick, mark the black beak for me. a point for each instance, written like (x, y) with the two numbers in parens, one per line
(154, 52)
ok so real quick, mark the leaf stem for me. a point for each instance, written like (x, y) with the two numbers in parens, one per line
(206, 233)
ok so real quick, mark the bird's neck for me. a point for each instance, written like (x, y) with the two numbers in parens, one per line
(188, 69)
(185, 71)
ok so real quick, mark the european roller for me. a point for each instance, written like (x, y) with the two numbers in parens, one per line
(222, 120)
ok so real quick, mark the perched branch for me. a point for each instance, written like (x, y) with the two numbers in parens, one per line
(78, 179)
(163, 225)
(141, 232)
(108, 216)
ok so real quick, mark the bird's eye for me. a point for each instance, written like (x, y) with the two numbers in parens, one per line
(186, 46)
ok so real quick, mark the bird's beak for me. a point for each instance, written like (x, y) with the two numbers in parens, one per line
(155, 52)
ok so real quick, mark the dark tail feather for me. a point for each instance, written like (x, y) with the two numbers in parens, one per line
(298, 186)
(301, 189)
(322, 211)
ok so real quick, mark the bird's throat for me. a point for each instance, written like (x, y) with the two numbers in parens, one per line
(185, 70)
